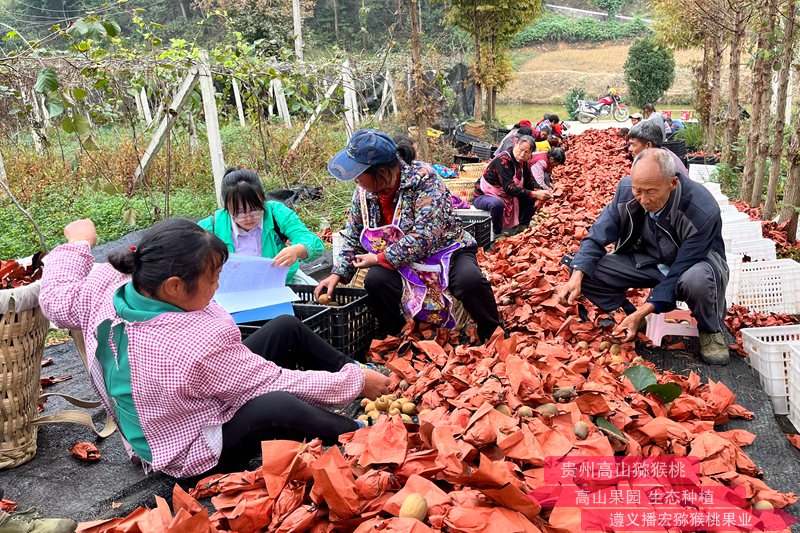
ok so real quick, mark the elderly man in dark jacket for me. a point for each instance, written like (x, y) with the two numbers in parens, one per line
(667, 231)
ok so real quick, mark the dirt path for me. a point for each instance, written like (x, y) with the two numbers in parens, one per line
(551, 71)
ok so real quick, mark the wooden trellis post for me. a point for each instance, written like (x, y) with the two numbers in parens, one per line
(161, 134)
(237, 95)
(350, 101)
(313, 117)
(148, 117)
(280, 101)
(212, 123)
(200, 73)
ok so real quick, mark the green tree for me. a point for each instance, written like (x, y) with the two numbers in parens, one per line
(649, 71)
(492, 25)
(610, 6)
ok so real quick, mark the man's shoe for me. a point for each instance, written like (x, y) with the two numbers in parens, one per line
(27, 522)
(713, 349)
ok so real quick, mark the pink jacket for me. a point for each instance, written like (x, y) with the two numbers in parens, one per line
(190, 371)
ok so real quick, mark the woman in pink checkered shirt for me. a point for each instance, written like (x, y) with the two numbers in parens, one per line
(170, 366)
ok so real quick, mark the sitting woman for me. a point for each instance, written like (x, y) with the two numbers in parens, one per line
(542, 165)
(401, 226)
(170, 365)
(510, 142)
(252, 226)
(508, 191)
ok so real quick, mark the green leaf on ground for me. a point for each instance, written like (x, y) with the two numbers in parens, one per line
(666, 391)
(641, 376)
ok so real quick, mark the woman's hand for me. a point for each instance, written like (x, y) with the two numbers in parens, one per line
(327, 285)
(375, 384)
(365, 260)
(541, 194)
(290, 255)
(81, 230)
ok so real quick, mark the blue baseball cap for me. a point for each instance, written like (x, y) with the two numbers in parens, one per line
(364, 149)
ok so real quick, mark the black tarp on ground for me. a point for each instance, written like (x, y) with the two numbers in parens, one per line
(60, 485)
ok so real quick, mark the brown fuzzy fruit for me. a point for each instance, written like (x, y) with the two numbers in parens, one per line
(382, 403)
(564, 394)
(369, 407)
(324, 299)
(525, 412)
(616, 359)
(503, 409)
(638, 360)
(408, 408)
(407, 419)
(414, 506)
(547, 410)
(583, 345)
(605, 345)
(403, 385)
(616, 349)
(393, 412)
(374, 415)
(764, 505)
(581, 430)
(364, 402)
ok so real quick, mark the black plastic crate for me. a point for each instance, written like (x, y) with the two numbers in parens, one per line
(500, 134)
(316, 317)
(479, 225)
(352, 322)
(483, 150)
(462, 159)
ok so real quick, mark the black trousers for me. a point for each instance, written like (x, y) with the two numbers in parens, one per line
(702, 287)
(288, 343)
(467, 284)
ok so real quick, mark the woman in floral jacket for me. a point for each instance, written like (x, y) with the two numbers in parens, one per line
(402, 227)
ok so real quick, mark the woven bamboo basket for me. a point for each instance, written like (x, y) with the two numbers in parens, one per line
(476, 128)
(23, 329)
(463, 188)
(472, 171)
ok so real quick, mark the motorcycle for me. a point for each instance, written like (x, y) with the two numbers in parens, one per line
(610, 104)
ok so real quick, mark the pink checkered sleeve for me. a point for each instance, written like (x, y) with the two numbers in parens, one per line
(70, 290)
(231, 372)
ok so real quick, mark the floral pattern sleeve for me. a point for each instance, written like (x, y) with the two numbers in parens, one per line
(343, 264)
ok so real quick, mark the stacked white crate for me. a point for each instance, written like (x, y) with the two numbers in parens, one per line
(769, 351)
(794, 385)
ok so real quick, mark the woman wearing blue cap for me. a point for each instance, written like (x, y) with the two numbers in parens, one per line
(402, 227)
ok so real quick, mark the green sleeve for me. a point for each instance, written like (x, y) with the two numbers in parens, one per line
(206, 223)
(290, 225)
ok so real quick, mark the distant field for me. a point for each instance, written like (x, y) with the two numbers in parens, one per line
(545, 74)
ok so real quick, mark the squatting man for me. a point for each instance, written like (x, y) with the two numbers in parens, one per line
(667, 231)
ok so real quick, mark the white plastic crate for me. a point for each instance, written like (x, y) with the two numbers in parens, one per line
(794, 385)
(769, 352)
(765, 286)
(741, 231)
(733, 216)
(702, 173)
(760, 249)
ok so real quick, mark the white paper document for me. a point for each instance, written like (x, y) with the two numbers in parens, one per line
(249, 283)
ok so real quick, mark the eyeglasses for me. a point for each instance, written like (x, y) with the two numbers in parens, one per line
(247, 214)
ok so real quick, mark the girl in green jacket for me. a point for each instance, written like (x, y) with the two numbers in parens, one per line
(252, 226)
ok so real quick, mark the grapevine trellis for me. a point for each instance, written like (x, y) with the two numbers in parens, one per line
(155, 94)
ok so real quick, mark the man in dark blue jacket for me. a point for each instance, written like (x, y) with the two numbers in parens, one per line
(667, 231)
